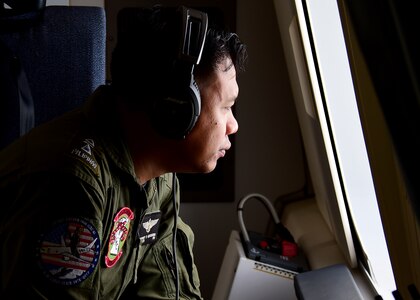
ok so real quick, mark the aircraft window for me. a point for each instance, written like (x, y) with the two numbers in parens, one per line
(343, 135)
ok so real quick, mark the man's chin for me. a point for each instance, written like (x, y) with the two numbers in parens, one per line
(208, 168)
(202, 168)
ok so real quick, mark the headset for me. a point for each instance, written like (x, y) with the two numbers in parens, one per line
(175, 114)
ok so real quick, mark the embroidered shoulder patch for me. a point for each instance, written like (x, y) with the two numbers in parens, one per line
(84, 153)
(69, 251)
(122, 223)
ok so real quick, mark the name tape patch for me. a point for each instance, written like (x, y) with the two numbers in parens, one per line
(149, 227)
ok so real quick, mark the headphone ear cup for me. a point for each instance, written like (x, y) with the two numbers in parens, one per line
(174, 116)
(177, 109)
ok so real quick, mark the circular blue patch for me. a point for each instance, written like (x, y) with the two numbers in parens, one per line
(69, 252)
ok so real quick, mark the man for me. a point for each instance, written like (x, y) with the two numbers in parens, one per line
(90, 199)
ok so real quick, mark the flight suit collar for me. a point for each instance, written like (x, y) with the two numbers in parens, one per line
(100, 110)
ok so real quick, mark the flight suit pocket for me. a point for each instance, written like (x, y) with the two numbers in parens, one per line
(188, 276)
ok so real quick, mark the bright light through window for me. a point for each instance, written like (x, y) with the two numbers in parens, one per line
(346, 134)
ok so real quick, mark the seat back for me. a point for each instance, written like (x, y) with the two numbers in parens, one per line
(63, 56)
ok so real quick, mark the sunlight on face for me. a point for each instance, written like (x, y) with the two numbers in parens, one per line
(209, 139)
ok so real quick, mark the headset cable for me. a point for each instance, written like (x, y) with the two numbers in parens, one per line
(174, 232)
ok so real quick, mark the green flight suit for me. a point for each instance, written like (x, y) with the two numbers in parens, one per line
(75, 222)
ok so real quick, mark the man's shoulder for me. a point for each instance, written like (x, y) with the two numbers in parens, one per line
(63, 145)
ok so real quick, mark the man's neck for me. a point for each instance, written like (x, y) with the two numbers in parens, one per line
(146, 148)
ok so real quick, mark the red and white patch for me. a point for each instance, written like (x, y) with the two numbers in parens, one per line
(119, 233)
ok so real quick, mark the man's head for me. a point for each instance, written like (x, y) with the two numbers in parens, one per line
(142, 71)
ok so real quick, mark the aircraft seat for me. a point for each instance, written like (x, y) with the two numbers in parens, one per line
(62, 53)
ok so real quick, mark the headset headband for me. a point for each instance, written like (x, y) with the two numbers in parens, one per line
(193, 35)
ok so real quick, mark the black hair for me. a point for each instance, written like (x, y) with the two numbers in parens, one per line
(219, 45)
(146, 49)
